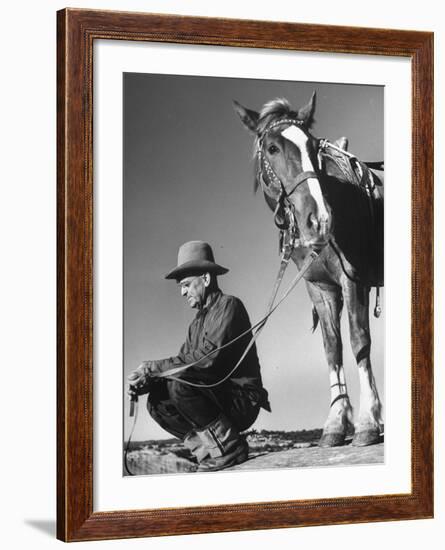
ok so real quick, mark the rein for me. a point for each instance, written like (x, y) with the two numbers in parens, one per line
(284, 215)
(134, 410)
(170, 374)
(276, 191)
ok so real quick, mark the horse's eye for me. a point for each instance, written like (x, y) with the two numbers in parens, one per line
(273, 150)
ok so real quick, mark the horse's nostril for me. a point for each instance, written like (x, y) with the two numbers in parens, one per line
(312, 221)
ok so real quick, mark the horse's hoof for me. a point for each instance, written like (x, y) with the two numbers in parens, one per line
(366, 437)
(332, 439)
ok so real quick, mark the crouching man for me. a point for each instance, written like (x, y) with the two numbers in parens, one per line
(209, 420)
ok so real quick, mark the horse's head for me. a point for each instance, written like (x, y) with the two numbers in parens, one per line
(287, 167)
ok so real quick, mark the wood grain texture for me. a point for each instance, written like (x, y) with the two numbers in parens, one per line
(76, 32)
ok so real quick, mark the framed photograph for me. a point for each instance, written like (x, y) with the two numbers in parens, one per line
(244, 315)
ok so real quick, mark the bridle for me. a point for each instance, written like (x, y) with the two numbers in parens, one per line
(284, 213)
(255, 330)
(275, 190)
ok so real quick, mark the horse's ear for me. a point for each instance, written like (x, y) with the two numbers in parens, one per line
(306, 113)
(248, 118)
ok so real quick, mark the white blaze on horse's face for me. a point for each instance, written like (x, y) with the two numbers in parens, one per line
(300, 139)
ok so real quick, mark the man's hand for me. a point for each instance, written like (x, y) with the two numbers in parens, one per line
(139, 381)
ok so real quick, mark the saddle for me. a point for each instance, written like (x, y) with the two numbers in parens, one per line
(336, 163)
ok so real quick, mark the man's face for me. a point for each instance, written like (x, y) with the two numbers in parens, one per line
(193, 288)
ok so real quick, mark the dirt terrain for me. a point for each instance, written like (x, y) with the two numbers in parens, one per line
(267, 450)
(315, 457)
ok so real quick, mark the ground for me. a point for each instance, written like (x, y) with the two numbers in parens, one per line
(267, 450)
(315, 457)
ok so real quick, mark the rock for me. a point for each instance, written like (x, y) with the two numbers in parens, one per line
(146, 462)
(263, 454)
(315, 457)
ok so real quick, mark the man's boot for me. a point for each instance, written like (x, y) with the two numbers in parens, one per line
(223, 445)
(193, 443)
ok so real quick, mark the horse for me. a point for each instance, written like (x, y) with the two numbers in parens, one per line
(318, 209)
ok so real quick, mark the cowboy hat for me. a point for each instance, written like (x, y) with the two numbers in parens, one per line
(195, 256)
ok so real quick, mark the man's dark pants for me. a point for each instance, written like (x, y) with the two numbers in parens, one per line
(180, 408)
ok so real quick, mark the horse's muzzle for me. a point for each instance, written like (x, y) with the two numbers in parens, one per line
(318, 228)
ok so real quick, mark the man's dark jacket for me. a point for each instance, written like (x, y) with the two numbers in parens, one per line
(222, 319)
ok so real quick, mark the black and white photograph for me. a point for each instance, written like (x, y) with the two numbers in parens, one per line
(222, 226)
(253, 273)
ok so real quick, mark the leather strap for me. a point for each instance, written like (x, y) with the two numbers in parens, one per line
(259, 325)
(301, 178)
(339, 396)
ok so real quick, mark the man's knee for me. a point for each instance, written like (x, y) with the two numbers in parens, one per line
(178, 390)
(156, 409)
(166, 415)
(245, 419)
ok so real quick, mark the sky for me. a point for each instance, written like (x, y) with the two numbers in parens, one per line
(188, 175)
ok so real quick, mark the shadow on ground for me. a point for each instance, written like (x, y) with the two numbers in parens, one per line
(47, 526)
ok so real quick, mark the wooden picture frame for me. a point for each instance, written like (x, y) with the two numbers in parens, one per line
(77, 31)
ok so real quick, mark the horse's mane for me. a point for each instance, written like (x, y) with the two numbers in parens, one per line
(272, 110)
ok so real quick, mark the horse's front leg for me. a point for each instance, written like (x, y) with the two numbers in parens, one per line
(327, 300)
(368, 426)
